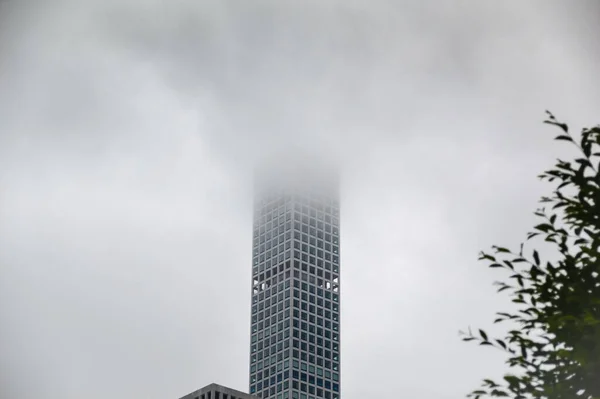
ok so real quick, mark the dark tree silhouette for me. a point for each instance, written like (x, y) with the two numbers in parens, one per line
(554, 348)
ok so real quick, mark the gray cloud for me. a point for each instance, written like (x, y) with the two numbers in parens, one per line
(126, 132)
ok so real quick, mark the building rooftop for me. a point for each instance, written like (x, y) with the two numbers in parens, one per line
(215, 391)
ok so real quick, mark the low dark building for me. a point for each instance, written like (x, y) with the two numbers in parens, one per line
(214, 391)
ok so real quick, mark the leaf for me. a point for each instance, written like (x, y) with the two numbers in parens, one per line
(587, 149)
(511, 379)
(563, 137)
(559, 205)
(483, 256)
(483, 335)
(544, 227)
(563, 126)
(536, 257)
(531, 235)
(583, 162)
(521, 249)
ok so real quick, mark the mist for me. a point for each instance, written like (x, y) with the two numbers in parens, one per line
(129, 132)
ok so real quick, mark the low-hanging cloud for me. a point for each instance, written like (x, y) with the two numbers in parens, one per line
(127, 134)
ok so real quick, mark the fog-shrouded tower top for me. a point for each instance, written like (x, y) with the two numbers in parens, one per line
(305, 173)
(295, 320)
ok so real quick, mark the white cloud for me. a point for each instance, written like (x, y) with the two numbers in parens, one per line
(126, 132)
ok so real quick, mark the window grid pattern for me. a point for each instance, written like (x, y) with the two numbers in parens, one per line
(215, 395)
(295, 333)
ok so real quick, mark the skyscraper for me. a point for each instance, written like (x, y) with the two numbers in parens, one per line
(295, 321)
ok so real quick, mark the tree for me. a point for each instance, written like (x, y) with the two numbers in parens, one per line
(554, 347)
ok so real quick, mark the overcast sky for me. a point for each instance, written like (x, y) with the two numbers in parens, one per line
(127, 129)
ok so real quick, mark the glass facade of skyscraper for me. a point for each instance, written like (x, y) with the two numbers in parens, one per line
(295, 321)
